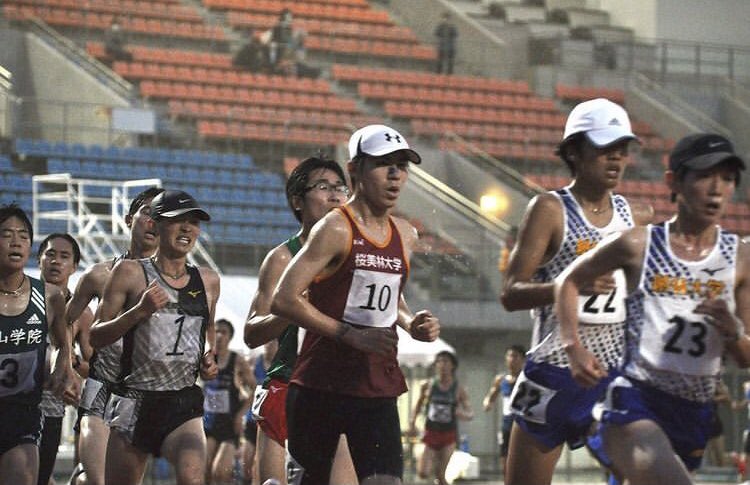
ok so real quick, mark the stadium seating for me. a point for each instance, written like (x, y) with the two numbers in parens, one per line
(344, 28)
(133, 22)
(248, 206)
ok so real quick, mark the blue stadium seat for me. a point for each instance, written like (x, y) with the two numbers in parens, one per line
(113, 152)
(96, 151)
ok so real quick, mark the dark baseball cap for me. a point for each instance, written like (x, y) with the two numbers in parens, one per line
(701, 151)
(173, 203)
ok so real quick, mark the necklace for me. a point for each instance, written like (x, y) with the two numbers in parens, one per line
(15, 292)
(164, 273)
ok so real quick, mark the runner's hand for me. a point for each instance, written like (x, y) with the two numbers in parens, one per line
(424, 326)
(585, 368)
(153, 299)
(209, 368)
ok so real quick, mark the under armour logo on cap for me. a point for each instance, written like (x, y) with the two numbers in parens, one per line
(378, 141)
(390, 137)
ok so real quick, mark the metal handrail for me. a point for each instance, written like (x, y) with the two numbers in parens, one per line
(676, 104)
(509, 174)
(458, 202)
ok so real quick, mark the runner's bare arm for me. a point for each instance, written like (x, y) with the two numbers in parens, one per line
(263, 326)
(539, 235)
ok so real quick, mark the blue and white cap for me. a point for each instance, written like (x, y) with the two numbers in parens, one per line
(603, 122)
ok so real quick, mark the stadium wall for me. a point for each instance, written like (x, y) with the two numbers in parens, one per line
(62, 102)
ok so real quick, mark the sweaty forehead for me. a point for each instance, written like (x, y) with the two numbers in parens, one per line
(13, 223)
(320, 174)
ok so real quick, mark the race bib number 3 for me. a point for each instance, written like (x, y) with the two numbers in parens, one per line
(529, 400)
(17, 372)
(606, 308)
(373, 298)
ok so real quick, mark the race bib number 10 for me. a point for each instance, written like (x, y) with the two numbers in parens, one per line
(373, 298)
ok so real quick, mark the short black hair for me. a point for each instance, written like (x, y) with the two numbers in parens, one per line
(142, 197)
(296, 184)
(517, 348)
(224, 321)
(14, 210)
(572, 143)
(60, 235)
(451, 356)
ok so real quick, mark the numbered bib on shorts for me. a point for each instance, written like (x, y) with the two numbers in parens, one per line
(258, 398)
(90, 391)
(605, 308)
(440, 412)
(680, 341)
(216, 401)
(373, 298)
(174, 337)
(529, 400)
(17, 372)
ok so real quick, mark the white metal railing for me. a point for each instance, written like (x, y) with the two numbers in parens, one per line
(676, 104)
(94, 212)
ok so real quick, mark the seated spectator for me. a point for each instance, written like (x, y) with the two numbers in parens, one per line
(115, 41)
(252, 56)
(282, 35)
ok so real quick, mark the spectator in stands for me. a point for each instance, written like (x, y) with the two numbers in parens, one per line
(446, 34)
(282, 35)
(115, 42)
(252, 56)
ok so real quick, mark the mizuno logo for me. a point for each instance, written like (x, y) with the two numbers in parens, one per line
(34, 320)
(194, 293)
(711, 272)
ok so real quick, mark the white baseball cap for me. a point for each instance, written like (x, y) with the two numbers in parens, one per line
(603, 122)
(379, 140)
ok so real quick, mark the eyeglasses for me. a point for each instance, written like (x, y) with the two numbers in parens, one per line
(326, 187)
